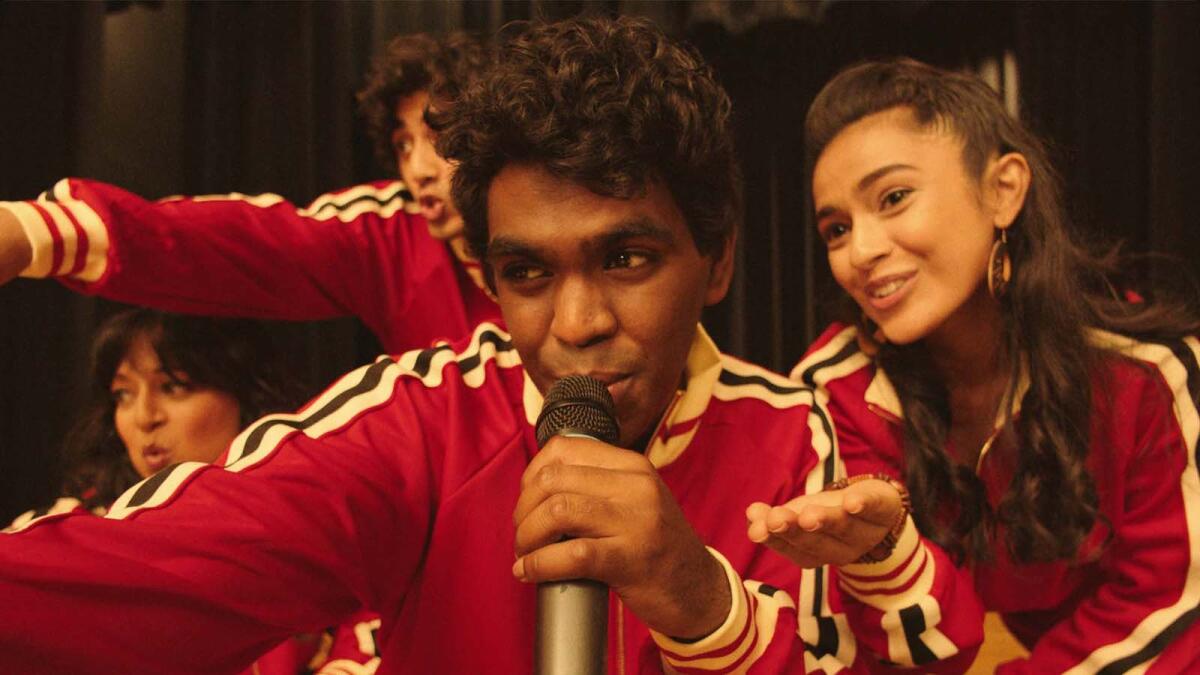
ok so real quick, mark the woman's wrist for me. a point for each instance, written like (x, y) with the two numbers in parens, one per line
(884, 548)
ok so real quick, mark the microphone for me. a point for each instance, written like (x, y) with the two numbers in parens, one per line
(572, 616)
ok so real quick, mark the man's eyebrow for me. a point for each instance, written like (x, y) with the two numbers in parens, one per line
(504, 246)
(515, 247)
(638, 227)
(865, 182)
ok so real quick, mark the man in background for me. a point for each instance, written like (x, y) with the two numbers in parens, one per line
(389, 252)
(599, 186)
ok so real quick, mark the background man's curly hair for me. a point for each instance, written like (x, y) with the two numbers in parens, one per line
(609, 104)
(410, 64)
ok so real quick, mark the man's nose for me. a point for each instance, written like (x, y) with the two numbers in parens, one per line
(583, 314)
(426, 164)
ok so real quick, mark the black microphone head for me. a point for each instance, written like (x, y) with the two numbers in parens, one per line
(578, 404)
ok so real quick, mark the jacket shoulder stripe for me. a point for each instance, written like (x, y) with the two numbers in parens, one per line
(346, 206)
(371, 379)
(488, 343)
(371, 386)
(1154, 647)
(379, 194)
(837, 359)
(1178, 362)
(155, 490)
(738, 380)
(425, 358)
(732, 379)
(499, 343)
(831, 352)
(355, 393)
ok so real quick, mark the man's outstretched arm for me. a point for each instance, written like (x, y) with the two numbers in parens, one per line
(345, 254)
(15, 251)
(200, 564)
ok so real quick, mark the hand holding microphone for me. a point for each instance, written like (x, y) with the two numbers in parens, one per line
(572, 616)
(589, 510)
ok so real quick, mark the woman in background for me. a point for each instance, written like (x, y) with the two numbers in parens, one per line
(169, 388)
(1044, 421)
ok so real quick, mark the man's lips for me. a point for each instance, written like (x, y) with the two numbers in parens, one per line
(618, 387)
(432, 208)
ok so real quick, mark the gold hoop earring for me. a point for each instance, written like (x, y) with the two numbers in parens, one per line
(999, 266)
(870, 336)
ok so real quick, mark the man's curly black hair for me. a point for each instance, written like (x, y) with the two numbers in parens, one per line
(440, 65)
(608, 104)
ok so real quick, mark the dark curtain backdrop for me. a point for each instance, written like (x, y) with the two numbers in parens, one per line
(167, 98)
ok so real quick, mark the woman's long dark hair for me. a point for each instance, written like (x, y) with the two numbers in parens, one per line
(235, 356)
(1059, 290)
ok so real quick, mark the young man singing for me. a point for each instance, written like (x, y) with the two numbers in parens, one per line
(598, 183)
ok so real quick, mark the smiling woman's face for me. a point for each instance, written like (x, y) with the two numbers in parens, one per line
(162, 419)
(907, 232)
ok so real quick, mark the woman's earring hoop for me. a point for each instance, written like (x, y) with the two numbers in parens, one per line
(999, 266)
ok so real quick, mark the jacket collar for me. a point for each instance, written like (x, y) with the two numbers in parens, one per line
(881, 397)
(682, 416)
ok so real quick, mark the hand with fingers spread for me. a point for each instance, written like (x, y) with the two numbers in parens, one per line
(623, 527)
(857, 521)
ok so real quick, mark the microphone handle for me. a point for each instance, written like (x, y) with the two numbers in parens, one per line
(572, 628)
(572, 620)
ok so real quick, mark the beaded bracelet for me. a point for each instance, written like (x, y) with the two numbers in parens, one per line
(884, 548)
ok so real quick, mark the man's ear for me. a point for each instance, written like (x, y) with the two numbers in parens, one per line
(1006, 184)
(721, 273)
